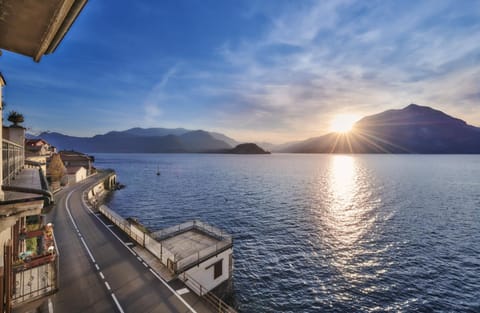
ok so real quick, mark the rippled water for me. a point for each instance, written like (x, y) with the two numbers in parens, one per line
(325, 233)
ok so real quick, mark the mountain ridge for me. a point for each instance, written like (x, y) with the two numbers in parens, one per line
(413, 129)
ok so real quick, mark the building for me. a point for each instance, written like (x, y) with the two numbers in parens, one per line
(198, 254)
(38, 147)
(28, 257)
(38, 150)
(76, 174)
(73, 159)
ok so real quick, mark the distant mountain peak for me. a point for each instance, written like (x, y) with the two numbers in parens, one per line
(412, 129)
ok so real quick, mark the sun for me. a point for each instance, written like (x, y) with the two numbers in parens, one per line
(343, 123)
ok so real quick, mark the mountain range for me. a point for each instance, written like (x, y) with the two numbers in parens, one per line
(413, 129)
(142, 140)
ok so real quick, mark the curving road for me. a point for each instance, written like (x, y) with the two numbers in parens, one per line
(98, 272)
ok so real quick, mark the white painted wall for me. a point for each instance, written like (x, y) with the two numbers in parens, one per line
(80, 175)
(204, 276)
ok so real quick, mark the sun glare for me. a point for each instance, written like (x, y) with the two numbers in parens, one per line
(343, 123)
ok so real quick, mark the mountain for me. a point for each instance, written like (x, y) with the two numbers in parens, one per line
(151, 132)
(247, 148)
(413, 129)
(222, 137)
(138, 140)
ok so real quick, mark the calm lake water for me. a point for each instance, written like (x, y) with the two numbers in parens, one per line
(324, 233)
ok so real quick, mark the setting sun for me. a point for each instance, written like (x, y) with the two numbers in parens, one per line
(343, 123)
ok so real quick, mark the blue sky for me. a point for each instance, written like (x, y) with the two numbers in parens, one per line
(255, 70)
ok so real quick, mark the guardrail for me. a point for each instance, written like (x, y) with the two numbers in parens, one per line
(13, 160)
(122, 223)
(225, 241)
(209, 297)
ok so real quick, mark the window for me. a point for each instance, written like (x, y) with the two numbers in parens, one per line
(217, 269)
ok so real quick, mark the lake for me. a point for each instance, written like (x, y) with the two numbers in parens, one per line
(324, 233)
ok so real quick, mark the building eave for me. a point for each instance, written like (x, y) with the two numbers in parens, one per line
(34, 28)
(3, 82)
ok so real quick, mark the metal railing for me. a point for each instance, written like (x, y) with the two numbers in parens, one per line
(218, 304)
(35, 278)
(13, 160)
(195, 224)
(224, 242)
(122, 223)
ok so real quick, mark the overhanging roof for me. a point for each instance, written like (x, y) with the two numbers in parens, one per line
(36, 27)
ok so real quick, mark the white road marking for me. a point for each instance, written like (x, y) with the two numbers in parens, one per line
(50, 305)
(129, 243)
(153, 272)
(89, 253)
(88, 250)
(145, 264)
(118, 304)
(183, 291)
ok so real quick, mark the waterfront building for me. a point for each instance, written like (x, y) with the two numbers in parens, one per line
(76, 174)
(28, 257)
(74, 159)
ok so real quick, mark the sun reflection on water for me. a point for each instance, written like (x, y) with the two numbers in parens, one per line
(346, 207)
(347, 220)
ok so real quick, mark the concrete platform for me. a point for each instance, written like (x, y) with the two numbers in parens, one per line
(154, 263)
(27, 178)
(189, 242)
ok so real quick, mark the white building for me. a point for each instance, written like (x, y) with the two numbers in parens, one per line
(76, 174)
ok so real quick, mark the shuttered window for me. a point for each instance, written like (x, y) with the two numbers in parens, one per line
(217, 269)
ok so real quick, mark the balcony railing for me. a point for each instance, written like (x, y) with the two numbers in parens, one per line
(13, 160)
(36, 277)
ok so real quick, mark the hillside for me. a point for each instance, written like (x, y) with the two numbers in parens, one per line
(247, 148)
(413, 129)
(138, 140)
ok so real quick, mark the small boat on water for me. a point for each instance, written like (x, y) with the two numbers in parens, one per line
(158, 171)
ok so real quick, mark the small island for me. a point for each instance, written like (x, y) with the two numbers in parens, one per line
(246, 148)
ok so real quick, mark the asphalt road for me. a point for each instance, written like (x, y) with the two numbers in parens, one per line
(97, 272)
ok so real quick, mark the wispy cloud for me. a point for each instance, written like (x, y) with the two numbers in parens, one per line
(156, 98)
(336, 56)
(264, 70)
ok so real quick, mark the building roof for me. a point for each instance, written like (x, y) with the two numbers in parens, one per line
(74, 169)
(33, 142)
(34, 28)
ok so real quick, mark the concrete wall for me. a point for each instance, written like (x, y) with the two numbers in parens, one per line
(80, 175)
(203, 273)
(15, 134)
(98, 189)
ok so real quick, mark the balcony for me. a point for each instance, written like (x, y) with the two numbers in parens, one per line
(35, 270)
(24, 185)
(13, 160)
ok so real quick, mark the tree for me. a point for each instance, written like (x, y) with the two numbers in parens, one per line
(16, 118)
(56, 170)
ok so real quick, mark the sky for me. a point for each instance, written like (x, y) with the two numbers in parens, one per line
(268, 70)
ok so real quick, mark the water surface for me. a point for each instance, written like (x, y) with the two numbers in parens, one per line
(324, 233)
